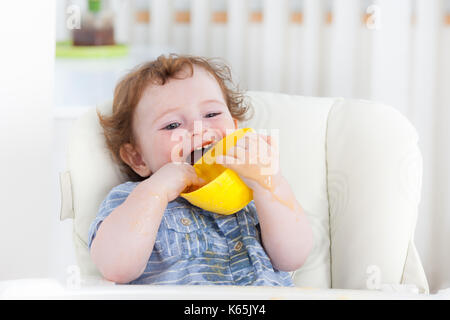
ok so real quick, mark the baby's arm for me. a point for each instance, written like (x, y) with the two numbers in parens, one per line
(125, 239)
(285, 231)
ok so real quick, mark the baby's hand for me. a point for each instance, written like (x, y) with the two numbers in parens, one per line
(173, 178)
(255, 158)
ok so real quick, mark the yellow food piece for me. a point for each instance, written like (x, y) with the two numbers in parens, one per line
(224, 193)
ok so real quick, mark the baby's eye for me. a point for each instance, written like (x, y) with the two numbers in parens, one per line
(213, 114)
(172, 126)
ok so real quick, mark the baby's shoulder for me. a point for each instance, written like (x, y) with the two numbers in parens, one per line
(116, 196)
(122, 190)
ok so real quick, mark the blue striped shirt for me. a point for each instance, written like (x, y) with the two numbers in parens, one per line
(195, 246)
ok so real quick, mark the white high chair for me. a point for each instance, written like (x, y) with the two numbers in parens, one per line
(354, 166)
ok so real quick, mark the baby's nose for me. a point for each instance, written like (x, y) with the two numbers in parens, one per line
(207, 134)
(197, 127)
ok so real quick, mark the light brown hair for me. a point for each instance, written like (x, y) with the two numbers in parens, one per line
(117, 127)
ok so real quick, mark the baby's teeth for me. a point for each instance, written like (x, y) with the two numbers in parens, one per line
(201, 147)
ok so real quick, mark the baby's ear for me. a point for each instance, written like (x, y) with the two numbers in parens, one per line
(132, 157)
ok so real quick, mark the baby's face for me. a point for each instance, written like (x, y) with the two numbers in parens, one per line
(172, 120)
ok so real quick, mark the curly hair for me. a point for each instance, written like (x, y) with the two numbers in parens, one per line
(117, 127)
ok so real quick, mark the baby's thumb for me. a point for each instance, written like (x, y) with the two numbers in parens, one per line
(200, 182)
(220, 160)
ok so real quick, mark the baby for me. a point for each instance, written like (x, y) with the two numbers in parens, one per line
(144, 232)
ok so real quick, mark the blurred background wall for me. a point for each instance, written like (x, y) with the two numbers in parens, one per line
(27, 204)
(395, 52)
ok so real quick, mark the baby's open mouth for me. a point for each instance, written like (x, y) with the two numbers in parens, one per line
(199, 152)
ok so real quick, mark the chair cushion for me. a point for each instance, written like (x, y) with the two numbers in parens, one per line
(374, 183)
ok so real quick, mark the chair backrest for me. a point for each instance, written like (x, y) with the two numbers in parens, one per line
(354, 166)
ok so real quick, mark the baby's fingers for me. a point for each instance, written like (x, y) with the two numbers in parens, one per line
(198, 182)
(194, 179)
(239, 153)
(193, 183)
(228, 162)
